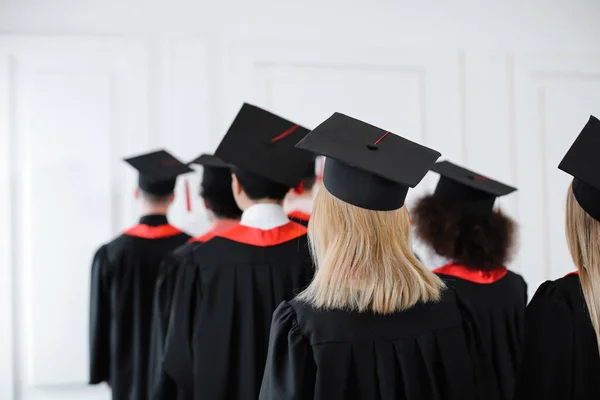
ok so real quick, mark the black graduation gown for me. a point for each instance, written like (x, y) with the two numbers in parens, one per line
(124, 275)
(163, 300)
(299, 217)
(226, 293)
(430, 351)
(560, 358)
(498, 299)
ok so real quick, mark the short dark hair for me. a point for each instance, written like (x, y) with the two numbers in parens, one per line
(220, 201)
(309, 182)
(257, 187)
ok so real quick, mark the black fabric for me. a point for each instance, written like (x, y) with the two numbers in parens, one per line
(500, 311)
(469, 200)
(581, 160)
(310, 171)
(154, 220)
(588, 198)
(258, 187)
(430, 351)
(263, 143)
(123, 277)
(368, 162)
(158, 171)
(366, 190)
(163, 301)
(156, 187)
(219, 329)
(300, 221)
(482, 185)
(209, 160)
(560, 359)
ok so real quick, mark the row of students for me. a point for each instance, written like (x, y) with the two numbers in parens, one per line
(373, 322)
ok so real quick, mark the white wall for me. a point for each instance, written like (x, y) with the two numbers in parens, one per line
(501, 88)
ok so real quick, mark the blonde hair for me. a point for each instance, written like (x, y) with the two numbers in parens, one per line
(583, 237)
(364, 259)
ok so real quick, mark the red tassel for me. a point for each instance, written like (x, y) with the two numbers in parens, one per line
(188, 198)
(300, 189)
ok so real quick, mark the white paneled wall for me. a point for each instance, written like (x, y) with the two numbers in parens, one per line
(501, 89)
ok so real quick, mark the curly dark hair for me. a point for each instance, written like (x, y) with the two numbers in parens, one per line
(480, 242)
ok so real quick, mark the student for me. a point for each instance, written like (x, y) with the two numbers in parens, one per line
(459, 223)
(124, 274)
(374, 323)
(299, 201)
(231, 284)
(561, 358)
(224, 213)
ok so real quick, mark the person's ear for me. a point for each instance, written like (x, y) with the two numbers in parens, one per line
(137, 193)
(171, 198)
(236, 188)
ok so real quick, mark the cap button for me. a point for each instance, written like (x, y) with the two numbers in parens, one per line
(372, 146)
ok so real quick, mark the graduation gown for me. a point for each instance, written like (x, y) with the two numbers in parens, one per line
(299, 217)
(560, 359)
(124, 275)
(498, 298)
(226, 293)
(430, 351)
(163, 299)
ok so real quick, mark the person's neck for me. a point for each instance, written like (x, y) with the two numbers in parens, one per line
(151, 209)
(264, 201)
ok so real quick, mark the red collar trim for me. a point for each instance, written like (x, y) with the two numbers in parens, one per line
(572, 273)
(472, 275)
(263, 238)
(218, 227)
(153, 232)
(299, 215)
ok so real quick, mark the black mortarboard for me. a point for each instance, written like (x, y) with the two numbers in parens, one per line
(216, 173)
(367, 166)
(582, 162)
(474, 192)
(158, 171)
(263, 143)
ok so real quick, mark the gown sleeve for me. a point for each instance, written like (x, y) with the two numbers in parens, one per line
(100, 319)
(176, 372)
(545, 368)
(290, 369)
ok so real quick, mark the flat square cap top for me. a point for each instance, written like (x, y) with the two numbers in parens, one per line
(582, 161)
(263, 143)
(158, 165)
(471, 179)
(371, 149)
(209, 160)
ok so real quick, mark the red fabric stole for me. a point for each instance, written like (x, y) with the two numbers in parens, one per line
(472, 275)
(153, 232)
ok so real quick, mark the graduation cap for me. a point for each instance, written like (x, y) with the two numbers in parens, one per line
(158, 171)
(216, 173)
(474, 192)
(367, 166)
(582, 162)
(263, 143)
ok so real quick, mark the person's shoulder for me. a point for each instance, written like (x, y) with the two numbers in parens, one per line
(559, 289)
(516, 279)
(324, 325)
(560, 297)
(119, 244)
